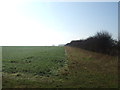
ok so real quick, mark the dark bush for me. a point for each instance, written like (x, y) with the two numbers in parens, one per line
(101, 42)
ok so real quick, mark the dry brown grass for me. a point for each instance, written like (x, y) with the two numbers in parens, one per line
(94, 68)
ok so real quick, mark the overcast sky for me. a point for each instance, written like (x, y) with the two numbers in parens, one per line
(31, 22)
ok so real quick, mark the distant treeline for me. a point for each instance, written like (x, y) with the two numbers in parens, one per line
(101, 42)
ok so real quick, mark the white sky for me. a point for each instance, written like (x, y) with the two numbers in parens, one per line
(16, 29)
(21, 30)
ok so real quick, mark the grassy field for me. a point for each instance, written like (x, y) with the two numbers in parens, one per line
(92, 70)
(57, 67)
(29, 63)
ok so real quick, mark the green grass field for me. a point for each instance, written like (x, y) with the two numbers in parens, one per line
(25, 62)
(51, 67)
(33, 60)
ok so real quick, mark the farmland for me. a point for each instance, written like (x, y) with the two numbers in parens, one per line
(27, 62)
(51, 67)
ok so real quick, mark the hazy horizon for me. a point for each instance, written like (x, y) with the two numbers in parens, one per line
(34, 23)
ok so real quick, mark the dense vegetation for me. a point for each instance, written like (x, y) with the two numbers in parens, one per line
(101, 42)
